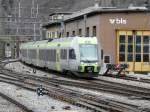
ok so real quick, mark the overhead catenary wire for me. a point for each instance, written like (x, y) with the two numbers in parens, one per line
(18, 23)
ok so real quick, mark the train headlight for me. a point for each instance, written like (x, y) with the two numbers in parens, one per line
(96, 63)
(82, 62)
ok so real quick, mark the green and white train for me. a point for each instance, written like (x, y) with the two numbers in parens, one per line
(78, 55)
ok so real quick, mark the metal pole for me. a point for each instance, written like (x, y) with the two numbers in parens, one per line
(85, 19)
(37, 10)
(34, 33)
(40, 30)
(19, 10)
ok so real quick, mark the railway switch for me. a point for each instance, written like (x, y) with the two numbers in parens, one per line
(40, 91)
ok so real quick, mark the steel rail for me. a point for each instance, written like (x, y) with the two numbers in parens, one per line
(105, 86)
(74, 97)
(18, 104)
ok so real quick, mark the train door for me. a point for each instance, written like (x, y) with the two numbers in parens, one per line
(72, 59)
(58, 66)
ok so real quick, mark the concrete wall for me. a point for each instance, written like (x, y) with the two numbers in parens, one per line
(82, 24)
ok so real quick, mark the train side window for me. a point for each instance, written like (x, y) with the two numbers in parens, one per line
(72, 54)
(63, 54)
(54, 55)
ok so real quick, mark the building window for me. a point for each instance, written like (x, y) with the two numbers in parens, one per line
(67, 34)
(130, 57)
(53, 34)
(146, 58)
(59, 34)
(48, 34)
(56, 34)
(73, 33)
(80, 32)
(8, 44)
(102, 53)
(138, 57)
(122, 48)
(122, 39)
(146, 39)
(87, 31)
(146, 48)
(94, 31)
(122, 57)
(106, 59)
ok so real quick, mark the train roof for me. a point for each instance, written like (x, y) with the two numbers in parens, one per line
(66, 41)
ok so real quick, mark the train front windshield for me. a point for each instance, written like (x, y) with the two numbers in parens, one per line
(88, 53)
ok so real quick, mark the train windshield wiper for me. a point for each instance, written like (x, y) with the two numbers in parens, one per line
(89, 61)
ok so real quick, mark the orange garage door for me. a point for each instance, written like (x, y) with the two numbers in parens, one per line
(133, 48)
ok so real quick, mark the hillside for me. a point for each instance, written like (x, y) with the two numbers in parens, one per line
(28, 9)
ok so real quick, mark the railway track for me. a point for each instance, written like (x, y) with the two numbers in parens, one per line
(13, 101)
(136, 79)
(126, 77)
(95, 103)
(99, 85)
(88, 101)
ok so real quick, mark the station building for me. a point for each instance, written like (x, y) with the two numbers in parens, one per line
(124, 34)
(9, 47)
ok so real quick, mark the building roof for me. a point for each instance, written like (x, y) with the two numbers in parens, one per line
(57, 13)
(96, 10)
(92, 10)
(56, 23)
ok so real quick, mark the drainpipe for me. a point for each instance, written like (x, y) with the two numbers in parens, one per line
(134, 46)
(85, 19)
